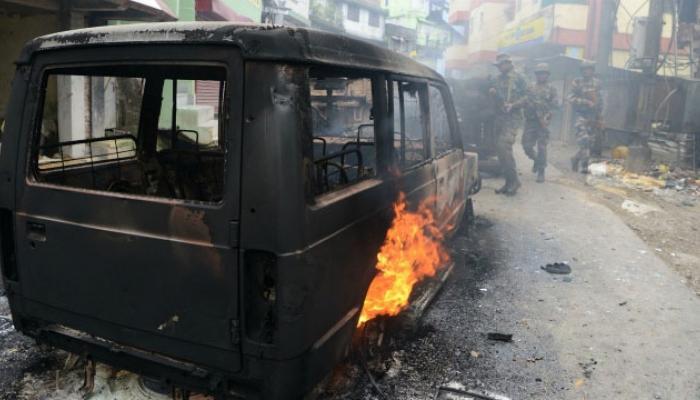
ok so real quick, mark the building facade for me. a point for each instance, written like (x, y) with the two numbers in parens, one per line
(363, 19)
(21, 21)
(287, 12)
(539, 29)
(419, 29)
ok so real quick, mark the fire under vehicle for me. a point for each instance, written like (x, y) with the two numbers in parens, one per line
(203, 203)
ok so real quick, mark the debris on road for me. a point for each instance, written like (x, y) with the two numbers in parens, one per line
(638, 209)
(588, 367)
(622, 303)
(598, 169)
(560, 268)
(6, 325)
(457, 392)
(534, 359)
(501, 337)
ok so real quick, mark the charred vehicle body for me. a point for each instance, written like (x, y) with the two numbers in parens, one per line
(203, 203)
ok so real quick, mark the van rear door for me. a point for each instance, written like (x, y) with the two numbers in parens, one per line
(127, 209)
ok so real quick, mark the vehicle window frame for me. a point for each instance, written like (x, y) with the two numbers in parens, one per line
(226, 127)
(451, 120)
(376, 80)
(425, 113)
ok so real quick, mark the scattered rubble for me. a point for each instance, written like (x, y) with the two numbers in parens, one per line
(561, 268)
(501, 337)
(453, 391)
(588, 367)
(662, 180)
(638, 209)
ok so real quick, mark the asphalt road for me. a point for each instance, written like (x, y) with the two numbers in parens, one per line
(622, 325)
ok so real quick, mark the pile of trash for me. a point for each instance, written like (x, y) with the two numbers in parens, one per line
(659, 178)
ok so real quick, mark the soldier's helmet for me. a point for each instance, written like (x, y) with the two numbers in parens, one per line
(587, 64)
(502, 58)
(542, 68)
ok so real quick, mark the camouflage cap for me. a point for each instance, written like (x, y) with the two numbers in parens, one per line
(542, 68)
(587, 64)
(502, 58)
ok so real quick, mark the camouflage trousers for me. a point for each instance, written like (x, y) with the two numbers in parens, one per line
(506, 129)
(588, 138)
(535, 136)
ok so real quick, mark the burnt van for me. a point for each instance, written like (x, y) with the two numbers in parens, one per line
(203, 203)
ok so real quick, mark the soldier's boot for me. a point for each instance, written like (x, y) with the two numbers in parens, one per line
(535, 167)
(574, 164)
(503, 189)
(513, 189)
(584, 167)
(540, 176)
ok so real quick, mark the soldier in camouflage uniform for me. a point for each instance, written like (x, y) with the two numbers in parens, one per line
(587, 103)
(542, 99)
(509, 91)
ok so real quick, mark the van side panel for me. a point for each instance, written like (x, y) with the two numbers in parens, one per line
(324, 250)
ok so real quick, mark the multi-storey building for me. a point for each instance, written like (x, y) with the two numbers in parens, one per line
(418, 28)
(540, 28)
(482, 21)
(363, 19)
(21, 21)
(217, 10)
(286, 12)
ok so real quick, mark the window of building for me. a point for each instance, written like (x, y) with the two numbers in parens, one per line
(373, 19)
(440, 128)
(133, 129)
(353, 13)
(344, 146)
(409, 123)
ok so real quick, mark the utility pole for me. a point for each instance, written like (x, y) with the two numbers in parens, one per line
(652, 45)
(608, 18)
(640, 153)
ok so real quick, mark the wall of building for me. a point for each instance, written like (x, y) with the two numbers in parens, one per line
(362, 28)
(299, 9)
(485, 25)
(247, 8)
(407, 8)
(570, 16)
(15, 31)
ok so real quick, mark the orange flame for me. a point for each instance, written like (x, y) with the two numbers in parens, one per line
(412, 250)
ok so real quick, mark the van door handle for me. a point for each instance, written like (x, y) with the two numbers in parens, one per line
(36, 232)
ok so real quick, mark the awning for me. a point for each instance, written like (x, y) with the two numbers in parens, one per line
(134, 10)
(155, 8)
(127, 10)
(217, 10)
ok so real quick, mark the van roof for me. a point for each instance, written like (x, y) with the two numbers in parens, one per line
(264, 42)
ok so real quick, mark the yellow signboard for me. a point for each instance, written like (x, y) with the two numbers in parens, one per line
(533, 30)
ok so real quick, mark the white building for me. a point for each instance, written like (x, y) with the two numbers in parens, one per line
(363, 19)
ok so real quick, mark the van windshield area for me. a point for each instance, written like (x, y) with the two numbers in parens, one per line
(150, 130)
(343, 129)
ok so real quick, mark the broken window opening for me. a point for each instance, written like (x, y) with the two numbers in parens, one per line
(138, 130)
(344, 145)
(409, 123)
(440, 128)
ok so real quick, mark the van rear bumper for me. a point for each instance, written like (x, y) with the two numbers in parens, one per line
(259, 379)
(142, 362)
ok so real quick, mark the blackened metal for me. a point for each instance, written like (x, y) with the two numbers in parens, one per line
(7, 246)
(256, 295)
(501, 337)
